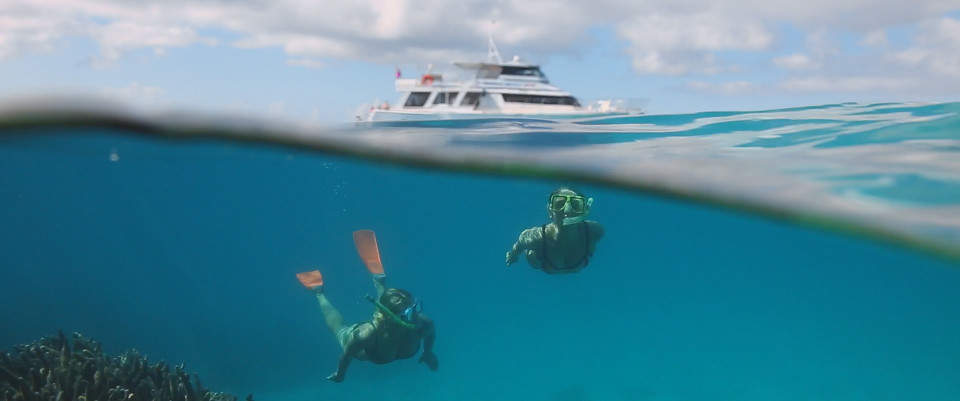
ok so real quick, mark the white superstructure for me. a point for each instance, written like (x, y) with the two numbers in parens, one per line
(491, 89)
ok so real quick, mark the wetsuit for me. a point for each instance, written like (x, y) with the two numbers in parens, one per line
(549, 266)
(371, 353)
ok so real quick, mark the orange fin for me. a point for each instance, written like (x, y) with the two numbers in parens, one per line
(366, 242)
(311, 279)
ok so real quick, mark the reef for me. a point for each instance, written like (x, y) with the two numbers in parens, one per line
(56, 368)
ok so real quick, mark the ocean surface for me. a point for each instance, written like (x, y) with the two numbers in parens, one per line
(797, 254)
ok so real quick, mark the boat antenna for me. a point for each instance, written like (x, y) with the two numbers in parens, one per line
(492, 52)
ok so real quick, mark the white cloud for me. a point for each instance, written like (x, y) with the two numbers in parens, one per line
(847, 84)
(796, 62)
(872, 64)
(727, 88)
(277, 108)
(390, 16)
(876, 39)
(654, 62)
(680, 44)
(822, 43)
(19, 34)
(937, 49)
(119, 37)
(304, 45)
(371, 26)
(117, 26)
(672, 38)
(695, 32)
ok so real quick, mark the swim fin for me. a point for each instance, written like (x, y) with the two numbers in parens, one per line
(366, 242)
(311, 279)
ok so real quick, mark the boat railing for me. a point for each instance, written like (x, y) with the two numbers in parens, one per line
(623, 105)
(405, 84)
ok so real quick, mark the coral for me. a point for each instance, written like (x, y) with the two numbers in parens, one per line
(54, 369)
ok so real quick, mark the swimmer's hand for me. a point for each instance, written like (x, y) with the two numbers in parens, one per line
(512, 256)
(335, 377)
(431, 360)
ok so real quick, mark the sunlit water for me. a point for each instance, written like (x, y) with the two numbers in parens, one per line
(801, 254)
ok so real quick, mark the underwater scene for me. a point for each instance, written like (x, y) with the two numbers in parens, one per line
(796, 254)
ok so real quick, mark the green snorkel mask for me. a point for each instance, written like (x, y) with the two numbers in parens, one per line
(576, 207)
(409, 313)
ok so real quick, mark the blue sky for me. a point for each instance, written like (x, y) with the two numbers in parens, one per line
(306, 61)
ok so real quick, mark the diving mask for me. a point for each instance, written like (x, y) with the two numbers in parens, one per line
(575, 206)
(407, 318)
(410, 313)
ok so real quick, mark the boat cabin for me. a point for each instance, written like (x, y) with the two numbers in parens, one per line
(483, 89)
(504, 84)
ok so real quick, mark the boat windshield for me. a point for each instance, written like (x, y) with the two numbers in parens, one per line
(535, 99)
(470, 99)
(523, 71)
(416, 99)
(445, 98)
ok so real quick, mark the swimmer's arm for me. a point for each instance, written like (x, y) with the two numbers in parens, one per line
(596, 230)
(527, 239)
(428, 334)
(357, 342)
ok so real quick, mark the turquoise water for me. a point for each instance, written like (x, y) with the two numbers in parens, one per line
(802, 254)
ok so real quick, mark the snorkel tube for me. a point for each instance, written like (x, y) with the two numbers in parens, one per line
(386, 311)
(579, 218)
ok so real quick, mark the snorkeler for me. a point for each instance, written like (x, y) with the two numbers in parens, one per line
(565, 244)
(398, 325)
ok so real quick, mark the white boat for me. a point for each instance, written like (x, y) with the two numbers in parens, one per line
(492, 89)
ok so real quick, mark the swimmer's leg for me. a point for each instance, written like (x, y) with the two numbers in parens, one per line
(331, 316)
(380, 283)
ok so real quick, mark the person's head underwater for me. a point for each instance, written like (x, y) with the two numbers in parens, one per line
(568, 206)
(397, 306)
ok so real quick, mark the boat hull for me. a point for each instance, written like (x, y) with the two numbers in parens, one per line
(402, 115)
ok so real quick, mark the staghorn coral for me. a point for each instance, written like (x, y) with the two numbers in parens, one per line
(54, 369)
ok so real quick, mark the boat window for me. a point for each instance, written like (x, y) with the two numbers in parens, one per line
(535, 99)
(451, 97)
(417, 99)
(445, 98)
(488, 72)
(522, 71)
(470, 99)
